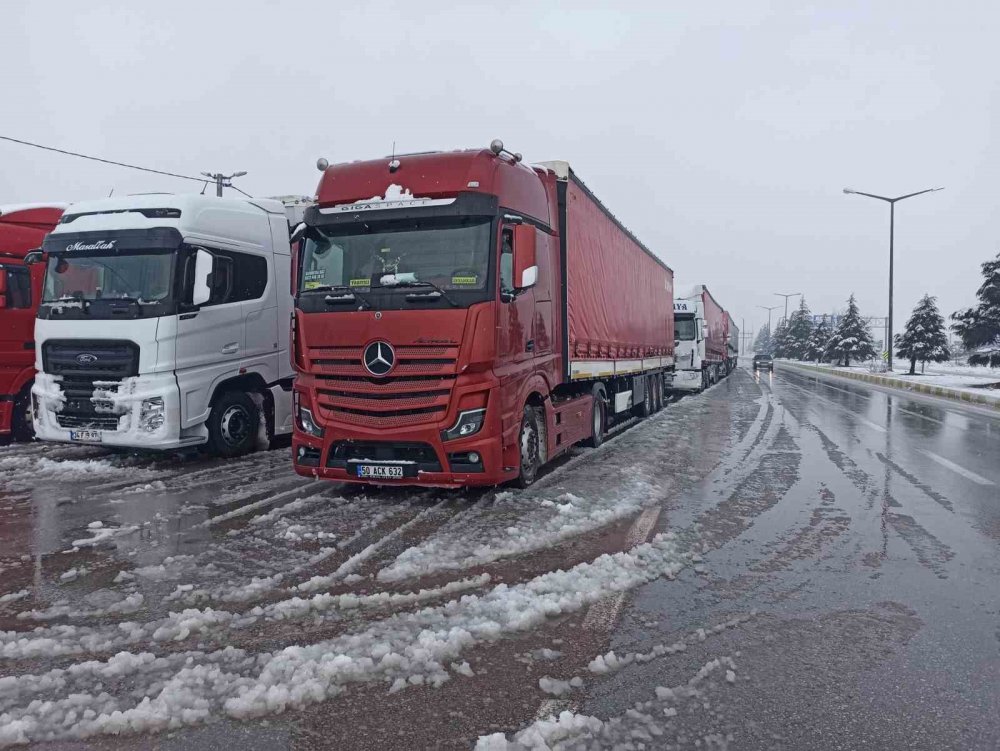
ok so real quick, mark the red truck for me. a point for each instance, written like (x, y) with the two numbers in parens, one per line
(461, 319)
(22, 228)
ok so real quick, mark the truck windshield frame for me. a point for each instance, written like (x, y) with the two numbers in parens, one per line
(685, 328)
(398, 264)
(106, 284)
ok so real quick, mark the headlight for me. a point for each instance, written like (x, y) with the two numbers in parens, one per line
(468, 423)
(152, 414)
(304, 416)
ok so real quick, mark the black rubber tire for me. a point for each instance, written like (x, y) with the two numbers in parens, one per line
(658, 393)
(645, 409)
(598, 423)
(233, 425)
(529, 439)
(21, 426)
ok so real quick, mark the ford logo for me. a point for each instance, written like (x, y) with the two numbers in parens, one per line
(379, 358)
(86, 358)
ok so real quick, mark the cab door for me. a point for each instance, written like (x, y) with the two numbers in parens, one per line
(17, 326)
(515, 333)
(209, 340)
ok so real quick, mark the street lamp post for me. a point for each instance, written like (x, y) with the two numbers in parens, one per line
(769, 309)
(892, 224)
(791, 294)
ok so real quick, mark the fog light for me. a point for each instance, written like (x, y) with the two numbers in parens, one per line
(152, 414)
(468, 423)
(474, 457)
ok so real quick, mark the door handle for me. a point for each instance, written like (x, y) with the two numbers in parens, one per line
(231, 348)
(530, 346)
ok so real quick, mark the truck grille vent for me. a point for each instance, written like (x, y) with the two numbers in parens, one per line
(104, 422)
(93, 359)
(416, 392)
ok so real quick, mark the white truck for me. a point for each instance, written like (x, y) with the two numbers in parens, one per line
(700, 341)
(164, 323)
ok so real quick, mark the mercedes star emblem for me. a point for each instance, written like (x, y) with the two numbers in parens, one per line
(379, 358)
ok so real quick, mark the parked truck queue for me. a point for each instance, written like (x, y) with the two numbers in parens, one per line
(456, 319)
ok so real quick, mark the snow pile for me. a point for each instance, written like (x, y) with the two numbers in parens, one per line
(14, 596)
(558, 687)
(471, 539)
(405, 649)
(100, 534)
(638, 727)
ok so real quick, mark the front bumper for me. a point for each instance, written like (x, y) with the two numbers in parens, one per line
(687, 380)
(118, 419)
(426, 459)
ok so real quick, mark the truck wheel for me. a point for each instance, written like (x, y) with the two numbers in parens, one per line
(704, 380)
(233, 425)
(529, 441)
(22, 428)
(645, 409)
(658, 393)
(597, 423)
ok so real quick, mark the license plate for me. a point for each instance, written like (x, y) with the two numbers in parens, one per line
(380, 471)
(85, 436)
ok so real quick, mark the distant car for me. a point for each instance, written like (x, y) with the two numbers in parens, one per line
(763, 362)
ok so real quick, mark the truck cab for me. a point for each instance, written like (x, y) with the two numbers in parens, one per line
(690, 333)
(22, 229)
(162, 324)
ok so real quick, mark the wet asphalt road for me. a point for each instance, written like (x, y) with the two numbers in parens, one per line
(782, 562)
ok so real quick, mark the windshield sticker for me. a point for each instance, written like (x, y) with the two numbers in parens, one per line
(473, 280)
(365, 282)
(313, 279)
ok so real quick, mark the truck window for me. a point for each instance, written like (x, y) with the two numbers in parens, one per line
(507, 260)
(237, 277)
(18, 288)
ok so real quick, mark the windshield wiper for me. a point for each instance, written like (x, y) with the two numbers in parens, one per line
(351, 295)
(414, 298)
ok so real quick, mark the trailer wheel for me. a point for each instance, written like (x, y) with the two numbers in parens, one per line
(22, 427)
(597, 423)
(645, 408)
(233, 424)
(529, 442)
(657, 393)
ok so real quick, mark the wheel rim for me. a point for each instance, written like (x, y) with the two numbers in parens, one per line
(235, 425)
(529, 449)
(597, 420)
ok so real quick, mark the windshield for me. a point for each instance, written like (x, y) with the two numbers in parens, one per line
(684, 329)
(452, 256)
(145, 277)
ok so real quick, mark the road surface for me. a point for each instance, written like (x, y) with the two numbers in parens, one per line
(780, 562)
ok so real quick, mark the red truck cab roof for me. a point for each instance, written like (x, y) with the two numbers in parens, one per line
(441, 175)
(22, 227)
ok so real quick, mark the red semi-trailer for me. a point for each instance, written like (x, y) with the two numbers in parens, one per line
(22, 229)
(462, 318)
(702, 332)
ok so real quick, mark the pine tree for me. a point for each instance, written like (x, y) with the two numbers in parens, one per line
(799, 330)
(762, 344)
(852, 339)
(818, 341)
(924, 338)
(979, 327)
(779, 343)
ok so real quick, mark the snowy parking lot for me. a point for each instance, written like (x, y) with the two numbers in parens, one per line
(778, 562)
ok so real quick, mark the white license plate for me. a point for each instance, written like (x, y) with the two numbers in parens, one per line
(85, 436)
(380, 471)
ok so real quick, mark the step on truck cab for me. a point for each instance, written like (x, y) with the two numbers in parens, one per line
(701, 341)
(163, 324)
(22, 229)
(462, 318)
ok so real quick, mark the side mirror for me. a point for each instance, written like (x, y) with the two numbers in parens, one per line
(525, 267)
(204, 262)
(704, 331)
(34, 256)
(293, 277)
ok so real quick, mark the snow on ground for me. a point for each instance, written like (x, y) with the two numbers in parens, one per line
(405, 649)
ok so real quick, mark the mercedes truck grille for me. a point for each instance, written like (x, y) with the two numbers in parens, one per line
(94, 422)
(416, 391)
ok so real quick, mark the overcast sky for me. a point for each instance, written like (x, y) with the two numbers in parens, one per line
(722, 134)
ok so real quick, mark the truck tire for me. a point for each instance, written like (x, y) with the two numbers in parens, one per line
(704, 379)
(529, 443)
(21, 426)
(645, 409)
(598, 423)
(657, 393)
(233, 424)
